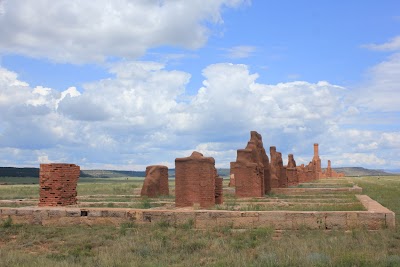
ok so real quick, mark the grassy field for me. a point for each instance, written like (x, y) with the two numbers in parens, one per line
(163, 245)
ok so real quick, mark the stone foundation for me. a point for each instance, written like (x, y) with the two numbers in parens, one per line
(376, 217)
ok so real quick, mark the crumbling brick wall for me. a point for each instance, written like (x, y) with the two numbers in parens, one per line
(219, 190)
(291, 171)
(58, 183)
(278, 172)
(156, 181)
(195, 181)
(251, 169)
(330, 173)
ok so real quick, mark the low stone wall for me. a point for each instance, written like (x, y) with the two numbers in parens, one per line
(294, 191)
(374, 218)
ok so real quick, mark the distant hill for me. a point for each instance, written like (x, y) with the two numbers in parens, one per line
(34, 172)
(360, 171)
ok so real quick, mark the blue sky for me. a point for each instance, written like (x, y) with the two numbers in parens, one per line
(126, 84)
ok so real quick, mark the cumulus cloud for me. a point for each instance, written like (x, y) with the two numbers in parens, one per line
(137, 118)
(382, 89)
(91, 31)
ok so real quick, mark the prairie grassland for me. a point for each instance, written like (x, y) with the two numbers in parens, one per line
(164, 245)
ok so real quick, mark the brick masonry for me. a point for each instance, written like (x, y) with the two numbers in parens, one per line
(196, 181)
(251, 170)
(58, 183)
(156, 182)
(291, 171)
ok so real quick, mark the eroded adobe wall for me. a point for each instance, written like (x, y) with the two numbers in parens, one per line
(251, 169)
(156, 181)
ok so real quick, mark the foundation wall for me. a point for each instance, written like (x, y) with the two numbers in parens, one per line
(294, 191)
(374, 218)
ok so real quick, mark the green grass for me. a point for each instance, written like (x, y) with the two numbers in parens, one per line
(132, 244)
(163, 245)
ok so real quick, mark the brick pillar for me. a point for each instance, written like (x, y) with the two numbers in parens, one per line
(317, 161)
(195, 181)
(58, 183)
(218, 190)
(156, 181)
(291, 171)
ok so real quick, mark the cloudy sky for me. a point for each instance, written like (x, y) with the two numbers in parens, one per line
(122, 84)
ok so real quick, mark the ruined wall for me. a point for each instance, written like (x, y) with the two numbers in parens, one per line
(330, 173)
(57, 184)
(301, 173)
(291, 171)
(278, 171)
(251, 170)
(232, 182)
(156, 181)
(195, 181)
(219, 190)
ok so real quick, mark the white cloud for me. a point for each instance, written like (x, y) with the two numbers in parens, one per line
(137, 119)
(382, 91)
(242, 51)
(392, 45)
(90, 31)
(361, 159)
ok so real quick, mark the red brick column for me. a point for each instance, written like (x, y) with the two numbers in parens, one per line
(58, 183)
(156, 181)
(195, 181)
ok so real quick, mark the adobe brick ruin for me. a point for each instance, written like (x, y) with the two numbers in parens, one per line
(316, 162)
(278, 172)
(330, 173)
(291, 171)
(250, 166)
(57, 182)
(251, 170)
(156, 182)
(197, 182)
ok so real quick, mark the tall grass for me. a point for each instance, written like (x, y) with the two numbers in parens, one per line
(162, 245)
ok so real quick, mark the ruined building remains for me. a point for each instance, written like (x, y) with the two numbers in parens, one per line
(330, 173)
(291, 171)
(57, 184)
(156, 181)
(251, 170)
(278, 172)
(197, 182)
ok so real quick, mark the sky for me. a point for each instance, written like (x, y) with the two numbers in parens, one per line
(124, 84)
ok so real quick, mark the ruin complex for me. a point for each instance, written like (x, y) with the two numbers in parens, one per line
(156, 182)
(330, 173)
(57, 184)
